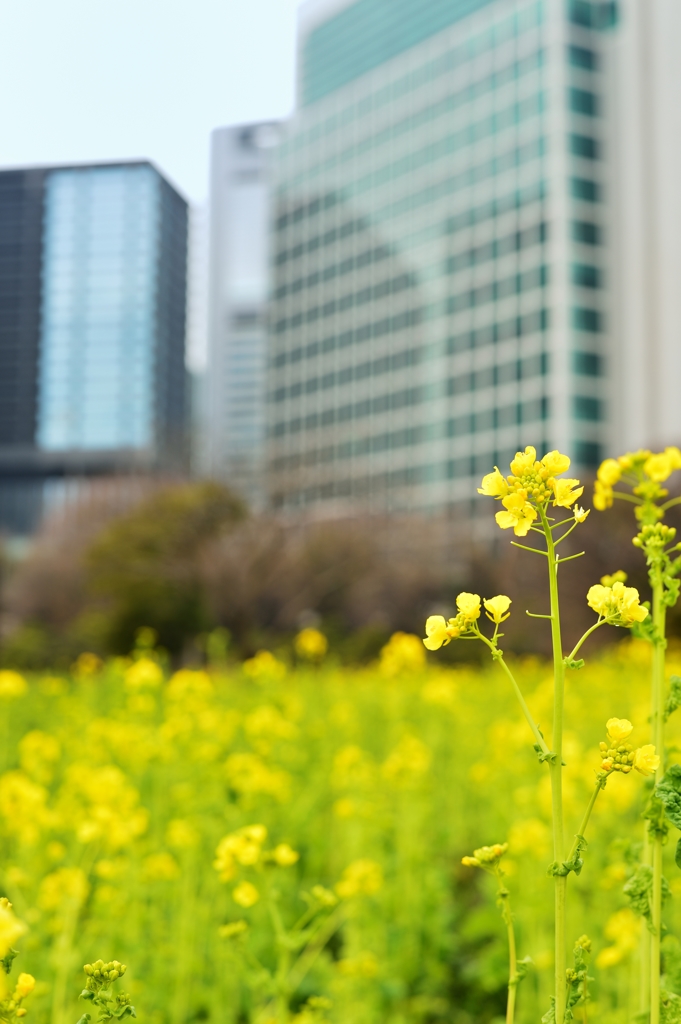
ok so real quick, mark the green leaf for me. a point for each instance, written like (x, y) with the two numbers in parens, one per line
(677, 855)
(668, 792)
(85, 1019)
(670, 1008)
(638, 890)
(674, 698)
(550, 1015)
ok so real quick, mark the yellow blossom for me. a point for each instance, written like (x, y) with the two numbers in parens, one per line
(658, 467)
(284, 855)
(603, 496)
(580, 514)
(566, 492)
(524, 462)
(311, 644)
(11, 928)
(12, 684)
(618, 604)
(470, 862)
(362, 877)
(402, 653)
(555, 463)
(143, 674)
(245, 894)
(497, 608)
(494, 485)
(674, 456)
(241, 847)
(469, 606)
(438, 632)
(519, 514)
(618, 729)
(646, 761)
(25, 985)
(609, 472)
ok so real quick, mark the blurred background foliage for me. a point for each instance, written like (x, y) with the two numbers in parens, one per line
(185, 559)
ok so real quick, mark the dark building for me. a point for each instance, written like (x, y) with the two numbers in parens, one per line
(92, 329)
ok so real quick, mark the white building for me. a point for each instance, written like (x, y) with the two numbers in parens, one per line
(238, 293)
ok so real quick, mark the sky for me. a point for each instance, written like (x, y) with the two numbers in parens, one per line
(85, 80)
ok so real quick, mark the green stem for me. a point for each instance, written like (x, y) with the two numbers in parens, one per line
(588, 633)
(585, 820)
(657, 728)
(504, 902)
(498, 656)
(644, 987)
(556, 768)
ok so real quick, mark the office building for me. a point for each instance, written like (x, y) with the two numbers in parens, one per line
(238, 293)
(441, 248)
(92, 329)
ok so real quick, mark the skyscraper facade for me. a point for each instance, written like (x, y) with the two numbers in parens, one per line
(441, 245)
(235, 389)
(92, 325)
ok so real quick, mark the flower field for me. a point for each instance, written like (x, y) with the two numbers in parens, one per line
(128, 796)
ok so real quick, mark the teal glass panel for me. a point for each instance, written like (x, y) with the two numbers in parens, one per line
(370, 32)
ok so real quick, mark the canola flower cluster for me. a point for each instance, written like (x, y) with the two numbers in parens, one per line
(619, 756)
(645, 471)
(440, 632)
(334, 795)
(532, 486)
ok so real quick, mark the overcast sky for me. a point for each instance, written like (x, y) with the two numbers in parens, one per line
(113, 79)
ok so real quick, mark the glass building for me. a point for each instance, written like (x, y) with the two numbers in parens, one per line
(235, 390)
(94, 329)
(440, 291)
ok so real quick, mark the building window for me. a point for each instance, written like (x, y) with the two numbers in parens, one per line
(583, 102)
(580, 57)
(587, 364)
(583, 188)
(585, 276)
(587, 453)
(586, 408)
(588, 234)
(584, 146)
(587, 320)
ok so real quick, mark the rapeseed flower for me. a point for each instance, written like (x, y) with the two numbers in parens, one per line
(519, 514)
(310, 644)
(402, 653)
(618, 605)
(618, 729)
(243, 847)
(285, 856)
(497, 608)
(494, 485)
(11, 928)
(646, 761)
(12, 684)
(439, 632)
(566, 492)
(245, 894)
(361, 878)
(486, 856)
(580, 514)
(24, 987)
(469, 606)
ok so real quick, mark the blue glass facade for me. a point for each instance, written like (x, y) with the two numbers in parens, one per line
(99, 282)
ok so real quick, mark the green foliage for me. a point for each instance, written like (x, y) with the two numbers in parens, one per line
(668, 792)
(145, 567)
(674, 697)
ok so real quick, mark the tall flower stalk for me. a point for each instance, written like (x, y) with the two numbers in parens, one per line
(643, 473)
(536, 501)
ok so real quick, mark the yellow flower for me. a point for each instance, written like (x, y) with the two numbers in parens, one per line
(497, 608)
(524, 461)
(519, 514)
(494, 485)
(555, 463)
(619, 729)
(469, 606)
(311, 644)
(470, 862)
(486, 856)
(245, 894)
(362, 877)
(25, 985)
(609, 472)
(658, 467)
(402, 653)
(566, 492)
(674, 456)
(241, 847)
(602, 496)
(284, 855)
(438, 632)
(580, 514)
(646, 761)
(11, 928)
(12, 684)
(618, 604)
